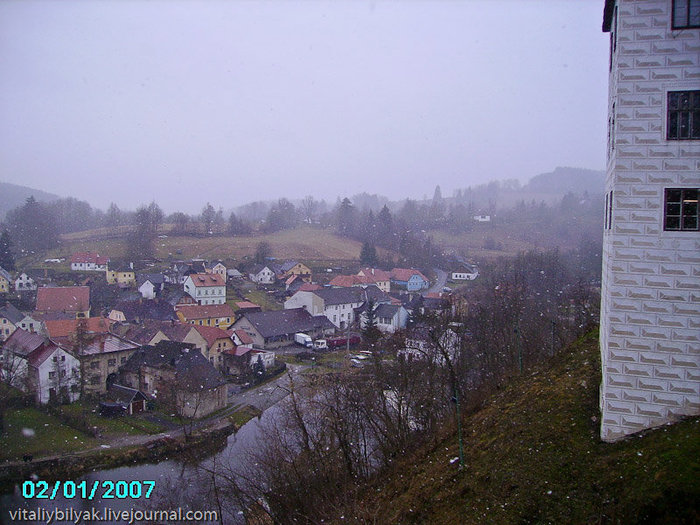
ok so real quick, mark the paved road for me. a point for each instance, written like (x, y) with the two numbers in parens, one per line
(440, 281)
(264, 396)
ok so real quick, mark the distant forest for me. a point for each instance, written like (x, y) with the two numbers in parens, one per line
(556, 205)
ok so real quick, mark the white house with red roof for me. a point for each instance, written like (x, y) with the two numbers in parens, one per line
(35, 364)
(88, 262)
(206, 288)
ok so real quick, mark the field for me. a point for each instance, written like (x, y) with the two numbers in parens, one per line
(304, 243)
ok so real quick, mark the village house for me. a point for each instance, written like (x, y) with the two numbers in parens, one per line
(262, 274)
(71, 300)
(100, 357)
(10, 319)
(408, 279)
(64, 329)
(34, 323)
(206, 288)
(5, 281)
(420, 344)
(289, 268)
(121, 274)
(121, 400)
(88, 262)
(389, 317)
(379, 278)
(337, 304)
(150, 285)
(242, 361)
(219, 315)
(178, 375)
(277, 328)
(24, 283)
(216, 342)
(464, 272)
(36, 365)
(140, 310)
(220, 269)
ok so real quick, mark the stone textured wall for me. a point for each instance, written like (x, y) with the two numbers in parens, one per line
(650, 311)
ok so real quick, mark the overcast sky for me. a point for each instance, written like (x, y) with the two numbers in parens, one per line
(229, 102)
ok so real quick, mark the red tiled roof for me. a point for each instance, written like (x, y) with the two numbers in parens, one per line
(211, 333)
(375, 273)
(345, 281)
(63, 299)
(39, 356)
(89, 257)
(23, 343)
(404, 274)
(205, 311)
(65, 328)
(207, 279)
(246, 304)
(243, 337)
(309, 287)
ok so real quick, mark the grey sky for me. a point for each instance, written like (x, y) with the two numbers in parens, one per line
(233, 101)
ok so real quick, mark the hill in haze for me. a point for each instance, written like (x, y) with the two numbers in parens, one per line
(13, 195)
(563, 180)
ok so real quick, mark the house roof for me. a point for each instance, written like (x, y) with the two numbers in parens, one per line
(193, 371)
(283, 322)
(23, 343)
(37, 358)
(124, 394)
(387, 310)
(309, 287)
(68, 327)
(345, 281)
(211, 334)
(246, 305)
(146, 309)
(12, 314)
(203, 280)
(405, 274)
(88, 257)
(242, 336)
(101, 344)
(63, 299)
(205, 311)
(332, 296)
(154, 278)
(5, 274)
(375, 273)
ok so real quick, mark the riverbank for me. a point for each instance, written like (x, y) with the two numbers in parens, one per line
(137, 449)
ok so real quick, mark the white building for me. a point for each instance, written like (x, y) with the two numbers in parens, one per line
(206, 288)
(262, 275)
(650, 310)
(24, 283)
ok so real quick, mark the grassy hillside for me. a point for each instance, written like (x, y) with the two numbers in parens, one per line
(304, 243)
(14, 195)
(533, 455)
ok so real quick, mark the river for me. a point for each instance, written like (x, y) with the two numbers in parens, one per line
(178, 483)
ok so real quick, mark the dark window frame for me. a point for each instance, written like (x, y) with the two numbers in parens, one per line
(681, 209)
(685, 23)
(683, 115)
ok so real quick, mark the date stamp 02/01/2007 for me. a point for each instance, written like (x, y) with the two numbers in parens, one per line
(97, 489)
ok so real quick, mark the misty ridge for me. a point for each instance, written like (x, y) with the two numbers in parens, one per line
(545, 199)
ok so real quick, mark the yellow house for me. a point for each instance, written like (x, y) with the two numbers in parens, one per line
(121, 275)
(218, 315)
(5, 279)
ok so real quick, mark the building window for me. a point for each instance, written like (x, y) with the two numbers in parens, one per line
(94, 365)
(112, 362)
(686, 14)
(683, 115)
(608, 210)
(681, 209)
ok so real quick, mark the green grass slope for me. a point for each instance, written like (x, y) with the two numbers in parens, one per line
(533, 455)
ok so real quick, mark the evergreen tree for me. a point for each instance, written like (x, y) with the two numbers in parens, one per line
(32, 227)
(370, 332)
(346, 216)
(368, 255)
(7, 259)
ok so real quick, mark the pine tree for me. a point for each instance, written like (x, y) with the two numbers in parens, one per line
(368, 255)
(7, 260)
